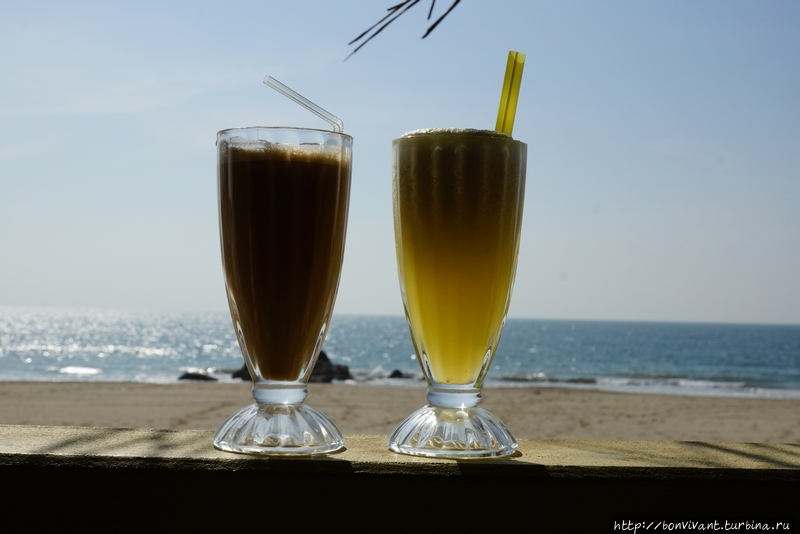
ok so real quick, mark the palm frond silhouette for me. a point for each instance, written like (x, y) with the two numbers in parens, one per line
(395, 12)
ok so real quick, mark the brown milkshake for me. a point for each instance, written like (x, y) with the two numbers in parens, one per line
(283, 214)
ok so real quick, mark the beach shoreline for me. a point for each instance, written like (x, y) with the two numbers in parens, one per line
(533, 412)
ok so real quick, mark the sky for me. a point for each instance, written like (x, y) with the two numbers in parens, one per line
(663, 145)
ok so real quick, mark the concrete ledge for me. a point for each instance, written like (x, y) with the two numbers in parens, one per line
(563, 485)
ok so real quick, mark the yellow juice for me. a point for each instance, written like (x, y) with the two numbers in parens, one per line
(458, 198)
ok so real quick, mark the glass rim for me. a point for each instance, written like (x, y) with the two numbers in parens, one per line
(458, 132)
(283, 128)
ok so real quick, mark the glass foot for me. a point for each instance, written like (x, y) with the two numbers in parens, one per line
(280, 429)
(452, 433)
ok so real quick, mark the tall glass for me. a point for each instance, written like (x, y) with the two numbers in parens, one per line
(458, 199)
(283, 200)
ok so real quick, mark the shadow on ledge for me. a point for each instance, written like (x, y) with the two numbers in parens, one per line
(154, 479)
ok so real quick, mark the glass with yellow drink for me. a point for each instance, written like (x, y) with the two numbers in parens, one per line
(458, 199)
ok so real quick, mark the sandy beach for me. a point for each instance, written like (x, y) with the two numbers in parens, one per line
(359, 409)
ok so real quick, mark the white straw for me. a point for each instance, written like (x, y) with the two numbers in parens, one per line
(336, 122)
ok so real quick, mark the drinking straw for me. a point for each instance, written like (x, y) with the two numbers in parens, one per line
(510, 94)
(335, 122)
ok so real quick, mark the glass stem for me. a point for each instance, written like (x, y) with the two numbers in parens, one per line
(454, 397)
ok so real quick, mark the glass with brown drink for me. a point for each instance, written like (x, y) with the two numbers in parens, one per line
(283, 201)
(458, 200)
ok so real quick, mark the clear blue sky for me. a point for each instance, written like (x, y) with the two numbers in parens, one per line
(664, 145)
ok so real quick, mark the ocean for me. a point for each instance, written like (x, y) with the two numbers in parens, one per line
(676, 358)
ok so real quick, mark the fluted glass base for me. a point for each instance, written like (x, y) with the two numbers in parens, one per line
(458, 433)
(279, 429)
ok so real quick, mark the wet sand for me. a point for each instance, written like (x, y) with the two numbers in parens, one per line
(360, 409)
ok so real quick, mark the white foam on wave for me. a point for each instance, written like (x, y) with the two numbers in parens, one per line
(79, 371)
(698, 387)
(670, 386)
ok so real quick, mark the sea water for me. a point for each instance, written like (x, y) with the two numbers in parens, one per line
(680, 358)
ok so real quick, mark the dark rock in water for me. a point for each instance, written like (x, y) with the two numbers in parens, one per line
(397, 373)
(242, 373)
(197, 376)
(326, 371)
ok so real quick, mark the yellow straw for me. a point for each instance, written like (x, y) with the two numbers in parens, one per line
(510, 95)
